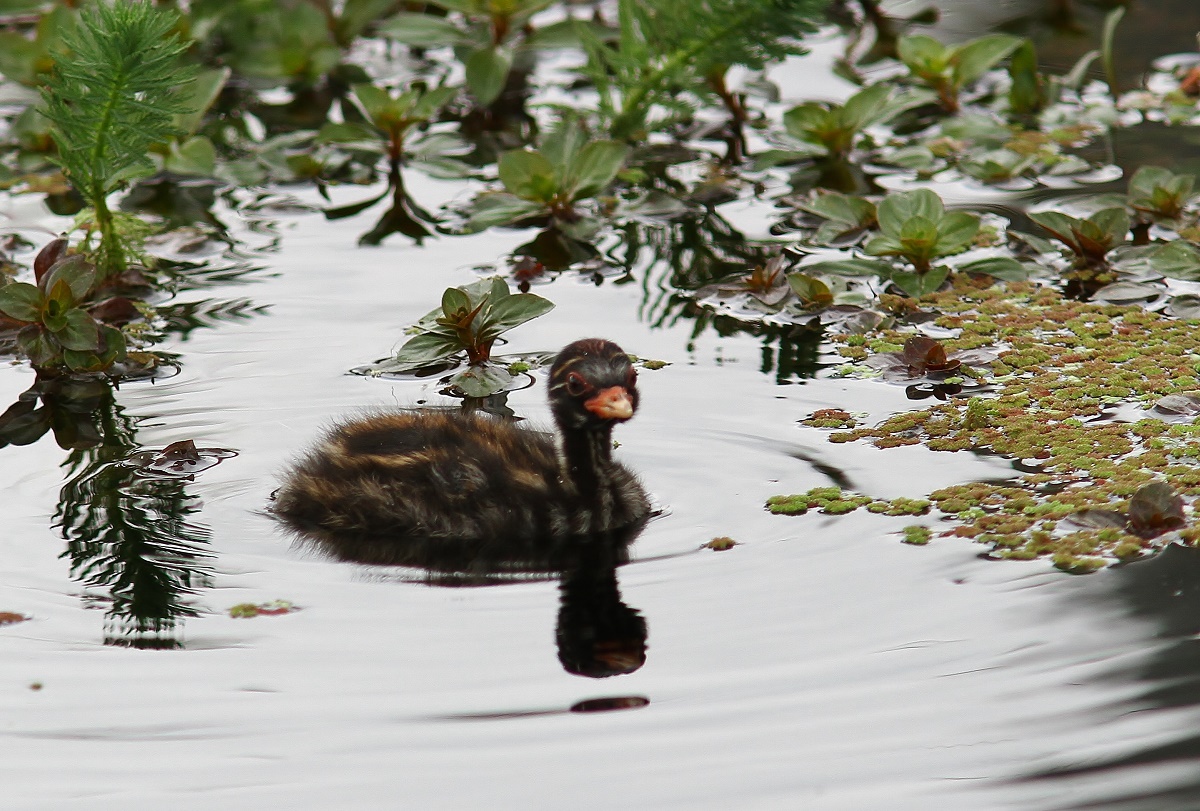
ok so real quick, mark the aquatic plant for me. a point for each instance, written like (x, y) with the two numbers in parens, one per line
(831, 130)
(56, 330)
(486, 39)
(112, 96)
(1089, 239)
(467, 323)
(948, 69)
(663, 46)
(549, 181)
(1159, 193)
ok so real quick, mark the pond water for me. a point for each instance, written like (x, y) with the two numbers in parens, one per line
(819, 663)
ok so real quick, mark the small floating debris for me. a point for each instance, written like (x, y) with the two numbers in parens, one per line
(180, 459)
(720, 544)
(12, 618)
(272, 609)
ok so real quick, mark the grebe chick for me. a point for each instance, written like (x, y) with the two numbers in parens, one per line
(448, 490)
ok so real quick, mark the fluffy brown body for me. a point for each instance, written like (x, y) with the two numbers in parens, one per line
(443, 489)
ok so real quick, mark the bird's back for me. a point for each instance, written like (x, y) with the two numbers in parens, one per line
(426, 487)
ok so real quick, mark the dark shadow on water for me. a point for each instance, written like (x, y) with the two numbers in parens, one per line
(1165, 591)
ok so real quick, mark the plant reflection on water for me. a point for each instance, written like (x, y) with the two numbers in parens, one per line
(125, 514)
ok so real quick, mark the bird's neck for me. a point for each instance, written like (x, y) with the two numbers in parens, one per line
(586, 454)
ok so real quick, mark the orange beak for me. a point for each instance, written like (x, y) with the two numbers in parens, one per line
(610, 404)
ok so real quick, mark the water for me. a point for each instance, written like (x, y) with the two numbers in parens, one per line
(820, 663)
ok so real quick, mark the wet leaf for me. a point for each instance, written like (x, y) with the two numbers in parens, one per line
(513, 311)
(1000, 267)
(487, 72)
(850, 267)
(48, 256)
(422, 30)
(972, 59)
(1154, 510)
(75, 271)
(79, 332)
(594, 167)
(422, 350)
(21, 301)
(1176, 260)
(1099, 519)
(500, 208)
(528, 174)
(1184, 306)
(482, 380)
(1127, 292)
(811, 291)
(1184, 405)
(899, 207)
(919, 284)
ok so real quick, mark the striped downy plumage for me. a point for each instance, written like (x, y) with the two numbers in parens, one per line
(450, 490)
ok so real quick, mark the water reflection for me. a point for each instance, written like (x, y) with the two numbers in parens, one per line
(1165, 591)
(124, 513)
(597, 633)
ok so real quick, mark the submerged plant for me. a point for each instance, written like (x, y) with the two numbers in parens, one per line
(468, 322)
(113, 96)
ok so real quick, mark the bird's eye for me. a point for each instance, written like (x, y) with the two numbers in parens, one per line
(576, 385)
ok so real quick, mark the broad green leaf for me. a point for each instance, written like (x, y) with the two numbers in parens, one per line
(194, 157)
(482, 380)
(562, 144)
(78, 273)
(1108, 226)
(1001, 267)
(515, 310)
(528, 175)
(423, 350)
(850, 267)
(919, 231)
(811, 291)
(37, 345)
(865, 107)
(1061, 226)
(80, 333)
(500, 208)
(423, 30)
(841, 208)
(594, 167)
(972, 59)
(21, 301)
(454, 301)
(376, 102)
(955, 232)
(897, 208)
(884, 245)
(920, 284)
(487, 72)
(922, 54)
(201, 93)
(1175, 260)
(809, 122)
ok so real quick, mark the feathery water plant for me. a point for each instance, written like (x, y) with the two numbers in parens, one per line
(110, 98)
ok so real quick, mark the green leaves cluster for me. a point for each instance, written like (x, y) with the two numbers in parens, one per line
(1089, 238)
(947, 69)
(468, 322)
(831, 130)
(913, 227)
(56, 331)
(484, 39)
(549, 181)
(110, 98)
(665, 46)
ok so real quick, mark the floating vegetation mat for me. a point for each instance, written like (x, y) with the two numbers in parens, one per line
(1092, 403)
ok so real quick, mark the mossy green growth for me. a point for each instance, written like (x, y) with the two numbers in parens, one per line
(916, 534)
(1062, 364)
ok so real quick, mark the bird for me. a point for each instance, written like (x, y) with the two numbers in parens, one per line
(453, 490)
